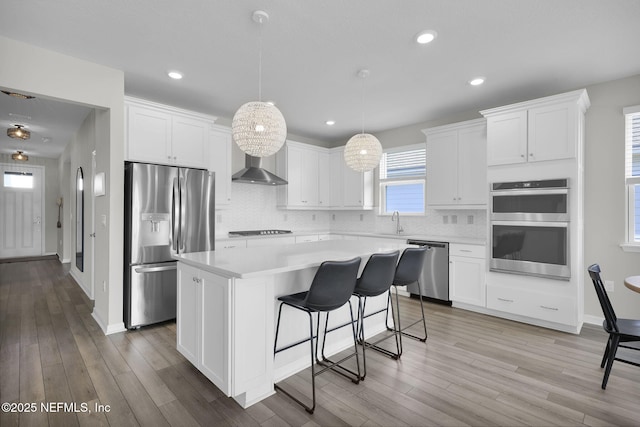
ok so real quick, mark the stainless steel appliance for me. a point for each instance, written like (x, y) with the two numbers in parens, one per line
(530, 228)
(258, 232)
(168, 210)
(434, 280)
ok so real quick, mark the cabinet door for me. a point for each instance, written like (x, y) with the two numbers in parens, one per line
(467, 280)
(294, 166)
(353, 187)
(507, 138)
(187, 315)
(552, 132)
(335, 180)
(189, 142)
(148, 135)
(324, 180)
(442, 169)
(472, 166)
(220, 163)
(214, 334)
(310, 178)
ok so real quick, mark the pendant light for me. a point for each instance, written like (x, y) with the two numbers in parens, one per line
(18, 132)
(363, 151)
(19, 156)
(259, 127)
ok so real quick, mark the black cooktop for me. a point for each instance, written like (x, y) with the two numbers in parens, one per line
(258, 232)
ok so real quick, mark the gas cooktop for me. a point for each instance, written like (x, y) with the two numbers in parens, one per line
(258, 232)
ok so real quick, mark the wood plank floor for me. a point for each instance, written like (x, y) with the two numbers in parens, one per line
(473, 370)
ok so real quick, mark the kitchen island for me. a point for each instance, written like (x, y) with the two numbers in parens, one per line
(227, 302)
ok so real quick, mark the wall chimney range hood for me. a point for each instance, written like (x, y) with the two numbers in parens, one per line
(254, 174)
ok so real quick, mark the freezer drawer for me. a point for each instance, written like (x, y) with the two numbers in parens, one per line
(152, 294)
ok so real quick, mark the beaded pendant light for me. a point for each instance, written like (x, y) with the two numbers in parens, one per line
(363, 151)
(259, 127)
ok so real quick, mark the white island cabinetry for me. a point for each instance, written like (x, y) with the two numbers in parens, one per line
(467, 277)
(227, 302)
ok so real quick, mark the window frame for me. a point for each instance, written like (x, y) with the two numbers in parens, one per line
(413, 179)
(631, 181)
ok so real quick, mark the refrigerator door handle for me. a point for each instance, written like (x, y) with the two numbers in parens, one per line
(156, 269)
(183, 215)
(175, 215)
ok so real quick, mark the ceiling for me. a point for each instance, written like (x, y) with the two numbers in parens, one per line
(312, 51)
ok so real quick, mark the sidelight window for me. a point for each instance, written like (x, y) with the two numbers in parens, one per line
(632, 172)
(402, 180)
(18, 179)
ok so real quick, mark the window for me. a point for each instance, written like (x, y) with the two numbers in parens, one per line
(402, 180)
(18, 179)
(632, 172)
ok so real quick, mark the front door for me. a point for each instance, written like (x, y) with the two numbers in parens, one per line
(21, 218)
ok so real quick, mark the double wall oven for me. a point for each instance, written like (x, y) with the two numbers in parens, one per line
(530, 228)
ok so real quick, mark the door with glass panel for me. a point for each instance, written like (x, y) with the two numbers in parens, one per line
(20, 211)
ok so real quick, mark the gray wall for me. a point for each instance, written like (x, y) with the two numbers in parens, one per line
(605, 194)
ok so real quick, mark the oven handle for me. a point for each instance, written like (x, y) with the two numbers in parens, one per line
(559, 224)
(529, 192)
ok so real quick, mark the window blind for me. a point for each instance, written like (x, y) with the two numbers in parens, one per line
(402, 164)
(632, 144)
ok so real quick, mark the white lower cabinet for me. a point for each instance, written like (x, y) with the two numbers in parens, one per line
(203, 299)
(467, 277)
(537, 305)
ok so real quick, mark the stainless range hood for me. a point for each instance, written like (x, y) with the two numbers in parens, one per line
(254, 174)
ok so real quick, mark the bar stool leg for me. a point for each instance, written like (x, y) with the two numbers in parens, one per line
(424, 323)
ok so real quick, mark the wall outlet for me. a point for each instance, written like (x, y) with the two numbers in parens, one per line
(284, 217)
(361, 217)
(333, 217)
(313, 217)
(469, 219)
(104, 286)
(445, 219)
(454, 219)
(608, 285)
(219, 219)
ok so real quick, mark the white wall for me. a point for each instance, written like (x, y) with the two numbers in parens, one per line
(49, 74)
(605, 194)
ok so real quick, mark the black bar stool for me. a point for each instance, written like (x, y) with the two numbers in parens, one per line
(331, 288)
(408, 271)
(376, 279)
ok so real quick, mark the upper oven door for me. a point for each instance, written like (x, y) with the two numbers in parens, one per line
(530, 205)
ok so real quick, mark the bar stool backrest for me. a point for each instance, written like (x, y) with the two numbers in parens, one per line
(332, 285)
(410, 266)
(378, 274)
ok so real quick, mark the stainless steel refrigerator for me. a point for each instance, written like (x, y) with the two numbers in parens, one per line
(168, 210)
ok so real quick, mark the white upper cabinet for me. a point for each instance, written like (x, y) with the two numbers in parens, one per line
(319, 179)
(533, 131)
(166, 135)
(456, 166)
(220, 162)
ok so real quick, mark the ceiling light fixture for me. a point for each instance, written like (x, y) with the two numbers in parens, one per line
(17, 95)
(363, 151)
(175, 75)
(426, 37)
(330, 122)
(18, 132)
(20, 156)
(259, 128)
(476, 81)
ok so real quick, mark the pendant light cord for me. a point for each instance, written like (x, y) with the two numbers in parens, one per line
(260, 61)
(363, 77)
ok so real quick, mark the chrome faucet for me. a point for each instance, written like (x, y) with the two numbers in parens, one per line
(395, 216)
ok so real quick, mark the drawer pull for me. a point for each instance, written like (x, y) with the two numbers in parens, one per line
(465, 250)
(549, 308)
(504, 299)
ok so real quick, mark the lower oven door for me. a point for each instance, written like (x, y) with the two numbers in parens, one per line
(531, 248)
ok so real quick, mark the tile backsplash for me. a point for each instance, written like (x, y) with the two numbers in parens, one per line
(253, 207)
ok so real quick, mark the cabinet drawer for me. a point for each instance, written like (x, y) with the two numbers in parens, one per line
(552, 308)
(471, 251)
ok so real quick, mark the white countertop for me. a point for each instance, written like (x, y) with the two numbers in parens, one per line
(260, 261)
(404, 237)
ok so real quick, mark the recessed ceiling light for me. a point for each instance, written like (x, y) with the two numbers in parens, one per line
(476, 81)
(426, 37)
(175, 75)
(330, 122)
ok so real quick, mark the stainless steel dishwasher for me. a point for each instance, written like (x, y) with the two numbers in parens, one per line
(434, 279)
